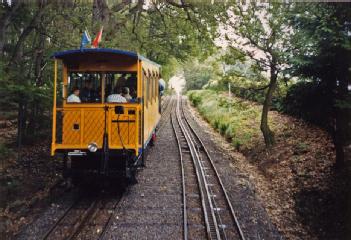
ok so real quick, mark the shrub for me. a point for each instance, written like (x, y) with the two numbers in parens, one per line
(309, 101)
(234, 118)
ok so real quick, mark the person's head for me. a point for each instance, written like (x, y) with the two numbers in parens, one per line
(75, 91)
(125, 91)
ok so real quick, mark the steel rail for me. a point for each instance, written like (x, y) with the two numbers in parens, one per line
(211, 192)
(109, 220)
(88, 214)
(233, 214)
(210, 221)
(54, 226)
(185, 215)
(83, 218)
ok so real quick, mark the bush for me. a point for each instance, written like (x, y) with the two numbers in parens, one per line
(235, 119)
(309, 101)
(306, 100)
(244, 87)
(195, 99)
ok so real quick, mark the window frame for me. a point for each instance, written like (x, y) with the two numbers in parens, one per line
(102, 84)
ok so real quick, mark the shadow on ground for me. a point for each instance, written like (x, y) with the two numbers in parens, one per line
(323, 210)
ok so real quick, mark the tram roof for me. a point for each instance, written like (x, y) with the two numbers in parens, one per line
(108, 53)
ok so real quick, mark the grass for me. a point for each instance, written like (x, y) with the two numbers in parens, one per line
(236, 119)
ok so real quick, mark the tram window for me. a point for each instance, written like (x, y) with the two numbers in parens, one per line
(149, 87)
(89, 85)
(154, 86)
(145, 88)
(121, 83)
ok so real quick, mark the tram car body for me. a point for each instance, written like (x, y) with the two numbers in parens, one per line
(97, 134)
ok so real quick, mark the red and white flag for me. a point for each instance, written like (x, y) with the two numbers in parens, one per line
(96, 41)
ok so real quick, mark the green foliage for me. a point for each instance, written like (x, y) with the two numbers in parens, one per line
(252, 86)
(306, 100)
(199, 74)
(261, 34)
(323, 54)
(164, 32)
(170, 69)
(234, 118)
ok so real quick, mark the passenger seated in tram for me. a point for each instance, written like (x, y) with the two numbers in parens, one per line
(116, 97)
(125, 94)
(88, 93)
(74, 97)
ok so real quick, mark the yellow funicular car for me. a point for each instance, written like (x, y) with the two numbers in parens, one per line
(105, 112)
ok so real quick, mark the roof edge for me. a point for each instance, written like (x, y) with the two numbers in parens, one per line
(62, 54)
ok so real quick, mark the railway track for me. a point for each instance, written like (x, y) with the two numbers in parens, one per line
(165, 103)
(91, 217)
(166, 111)
(207, 209)
(86, 217)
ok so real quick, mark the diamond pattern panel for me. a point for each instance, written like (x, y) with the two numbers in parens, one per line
(71, 127)
(127, 131)
(93, 127)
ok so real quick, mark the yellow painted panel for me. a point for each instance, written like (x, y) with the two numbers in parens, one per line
(127, 131)
(151, 114)
(91, 123)
(71, 135)
(93, 127)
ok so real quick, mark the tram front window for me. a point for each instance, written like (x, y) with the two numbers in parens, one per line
(91, 85)
(121, 86)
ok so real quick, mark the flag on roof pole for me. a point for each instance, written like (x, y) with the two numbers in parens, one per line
(96, 41)
(85, 39)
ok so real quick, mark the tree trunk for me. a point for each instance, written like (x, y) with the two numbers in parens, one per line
(5, 20)
(101, 12)
(268, 135)
(33, 117)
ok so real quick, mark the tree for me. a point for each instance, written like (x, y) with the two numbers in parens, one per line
(259, 31)
(31, 32)
(324, 55)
